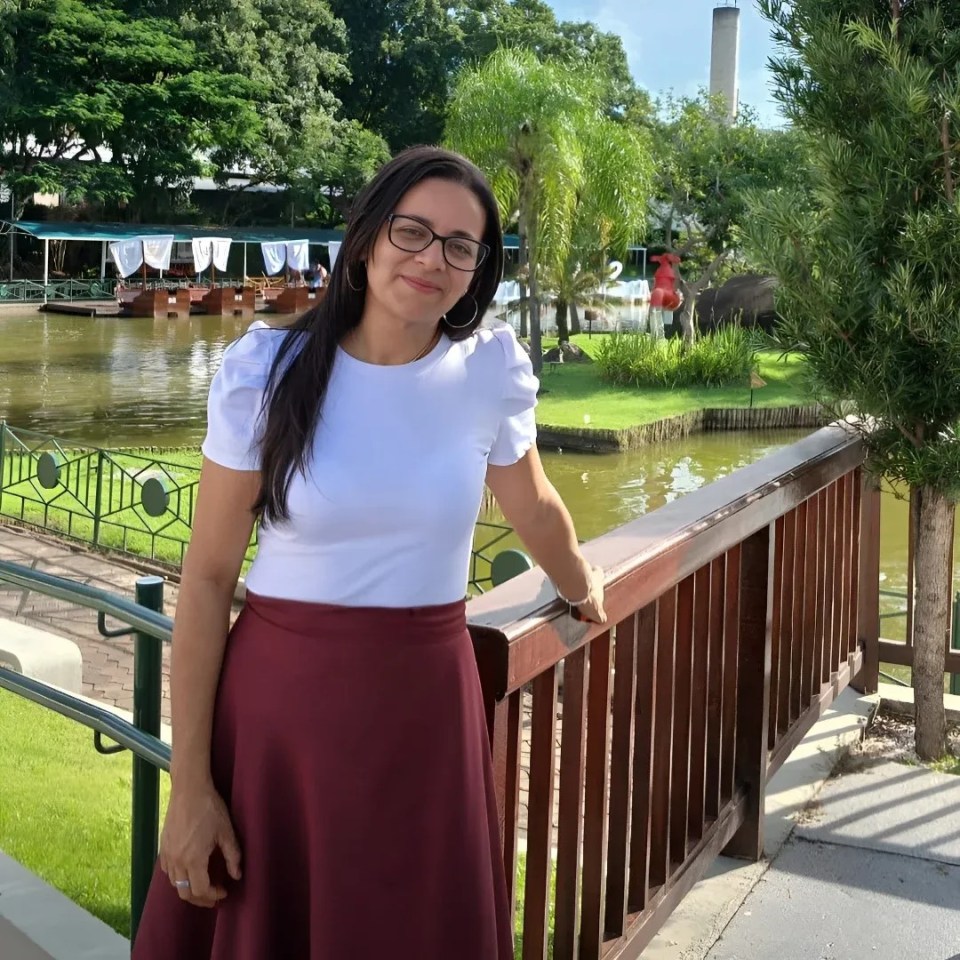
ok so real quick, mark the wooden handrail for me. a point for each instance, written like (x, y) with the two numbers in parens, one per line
(523, 628)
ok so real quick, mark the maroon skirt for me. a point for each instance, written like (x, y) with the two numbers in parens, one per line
(351, 749)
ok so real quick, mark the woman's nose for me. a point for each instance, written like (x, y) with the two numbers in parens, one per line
(432, 254)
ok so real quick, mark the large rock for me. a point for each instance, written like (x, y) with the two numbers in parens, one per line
(566, 353)
(747, 299)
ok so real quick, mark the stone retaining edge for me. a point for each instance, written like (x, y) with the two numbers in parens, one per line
(593, 440)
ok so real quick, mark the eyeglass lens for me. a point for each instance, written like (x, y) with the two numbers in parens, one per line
(413, 236)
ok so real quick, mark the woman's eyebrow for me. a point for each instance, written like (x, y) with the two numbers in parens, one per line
(427, 222)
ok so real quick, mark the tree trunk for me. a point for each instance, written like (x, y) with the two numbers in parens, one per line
(685, 313)
(574, 319)
(536, 340)
(563, 331)
(931, 619)
(690, 292)
(524, 292)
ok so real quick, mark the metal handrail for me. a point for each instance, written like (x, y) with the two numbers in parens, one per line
(150, 629)
(139, 618)
(97, 718)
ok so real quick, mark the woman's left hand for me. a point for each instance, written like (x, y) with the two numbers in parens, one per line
(592, 608)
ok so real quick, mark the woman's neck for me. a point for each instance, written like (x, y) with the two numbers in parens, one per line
(389, 342)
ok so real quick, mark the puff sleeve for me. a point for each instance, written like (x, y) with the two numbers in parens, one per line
(235, 401)
(517, 432)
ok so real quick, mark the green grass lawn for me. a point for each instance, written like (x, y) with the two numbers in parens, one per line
(572, 391)
(65, 809)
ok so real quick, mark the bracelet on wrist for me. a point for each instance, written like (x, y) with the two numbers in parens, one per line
(570, 603)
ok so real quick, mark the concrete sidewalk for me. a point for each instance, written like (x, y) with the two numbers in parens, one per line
(866, 868)
(873, 871)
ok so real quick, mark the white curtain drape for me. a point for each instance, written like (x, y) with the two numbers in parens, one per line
(127, 255)
(295, 253)
(207, 250)
(221, 253)
(156, 251)
(274, 256)
(334, 248)
(298, 255)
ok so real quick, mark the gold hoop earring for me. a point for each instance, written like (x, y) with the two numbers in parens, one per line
(462, 326)
(350, 282)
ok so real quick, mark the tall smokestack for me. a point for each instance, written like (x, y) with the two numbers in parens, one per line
(725, 56)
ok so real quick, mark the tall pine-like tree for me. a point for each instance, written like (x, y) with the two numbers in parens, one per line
(870, 276)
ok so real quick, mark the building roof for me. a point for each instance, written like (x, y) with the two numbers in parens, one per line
(76, 230)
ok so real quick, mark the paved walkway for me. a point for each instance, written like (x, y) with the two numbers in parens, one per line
(107, 664)
(872, 872)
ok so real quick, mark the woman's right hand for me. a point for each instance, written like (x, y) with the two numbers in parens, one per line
(197, 823)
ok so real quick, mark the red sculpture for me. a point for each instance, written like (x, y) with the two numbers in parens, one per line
(665, 294)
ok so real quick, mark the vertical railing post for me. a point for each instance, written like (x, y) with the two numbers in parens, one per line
(147, 681)
(98, 498)
(754, 653)
(3, 437)
(868, 595)
(954, 641)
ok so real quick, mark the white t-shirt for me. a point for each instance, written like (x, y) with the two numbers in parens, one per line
(385, 514)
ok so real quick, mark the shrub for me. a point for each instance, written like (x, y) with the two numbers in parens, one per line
(720, 359)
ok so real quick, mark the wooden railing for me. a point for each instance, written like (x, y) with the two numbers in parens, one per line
(738, 613)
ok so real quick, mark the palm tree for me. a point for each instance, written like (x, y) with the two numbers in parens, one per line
(520, 121)
(571, 287)
(539, 132)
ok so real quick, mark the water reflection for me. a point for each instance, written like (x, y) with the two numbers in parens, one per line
(607, 490)
(108, 381)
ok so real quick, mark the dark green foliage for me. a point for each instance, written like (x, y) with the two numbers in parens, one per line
(83, 83)
(870, 275)
(404, 56)
(722, 359)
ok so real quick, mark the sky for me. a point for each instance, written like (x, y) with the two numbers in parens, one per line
(668, 45)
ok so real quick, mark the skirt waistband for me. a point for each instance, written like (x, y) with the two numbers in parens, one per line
(439, 621)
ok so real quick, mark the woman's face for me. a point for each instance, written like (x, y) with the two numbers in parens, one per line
(422, 286)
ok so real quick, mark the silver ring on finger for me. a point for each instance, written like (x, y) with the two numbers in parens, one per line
(182, 884)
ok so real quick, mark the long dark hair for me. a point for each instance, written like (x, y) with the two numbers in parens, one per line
(301, 372)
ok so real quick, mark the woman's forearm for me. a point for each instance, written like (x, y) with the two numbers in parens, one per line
(549, 535)
(199, 639)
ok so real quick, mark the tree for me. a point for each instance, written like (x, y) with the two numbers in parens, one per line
(869, 279)
(487, 25)
(401, 58)
(332, 177)
(574, 286)
(539, 133)
(611, 208)
(405, 55)
(294, 53)
(706, 168)
(98, 105)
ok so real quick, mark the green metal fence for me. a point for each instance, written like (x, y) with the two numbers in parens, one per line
(126, 501)
(150, 628)
(131, 502)
(32, 291)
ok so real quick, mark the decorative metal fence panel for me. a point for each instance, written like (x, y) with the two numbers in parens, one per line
(130, 501)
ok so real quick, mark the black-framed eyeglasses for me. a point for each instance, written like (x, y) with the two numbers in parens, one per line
(413, 235)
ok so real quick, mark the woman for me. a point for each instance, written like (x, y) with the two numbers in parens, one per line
(331, 788)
